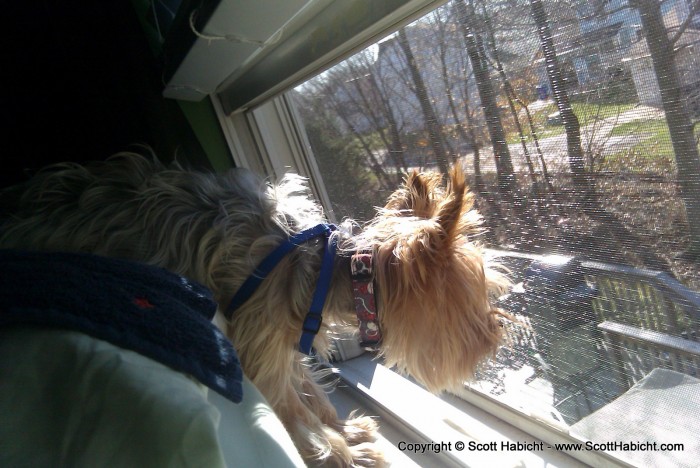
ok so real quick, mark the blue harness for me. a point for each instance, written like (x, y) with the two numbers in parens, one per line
(313, 319)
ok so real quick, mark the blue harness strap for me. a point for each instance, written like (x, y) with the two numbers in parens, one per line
(313, 319)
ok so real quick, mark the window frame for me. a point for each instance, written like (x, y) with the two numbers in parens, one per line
(271, 140)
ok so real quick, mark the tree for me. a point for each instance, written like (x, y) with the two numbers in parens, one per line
(580, 177)
(661, 42)
(431, 122)
(359, 97)
(457, 91)
(590, 203)
(374, 96)
(512, 98)
(475, 50)
(453, 83)
(661, 49)
(340, 158)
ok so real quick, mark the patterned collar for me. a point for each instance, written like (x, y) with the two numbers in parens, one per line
(363, 287)
(361, 273)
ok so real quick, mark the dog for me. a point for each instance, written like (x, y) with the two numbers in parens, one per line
(417, 271)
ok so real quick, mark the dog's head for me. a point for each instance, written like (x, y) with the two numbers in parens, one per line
(435, 289)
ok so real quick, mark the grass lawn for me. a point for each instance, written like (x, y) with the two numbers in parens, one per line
(587, 114)
(653, 151)
(656, 128)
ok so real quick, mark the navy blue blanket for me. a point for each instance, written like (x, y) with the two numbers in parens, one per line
(139, 307)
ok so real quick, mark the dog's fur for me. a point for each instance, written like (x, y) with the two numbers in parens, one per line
(434, 289)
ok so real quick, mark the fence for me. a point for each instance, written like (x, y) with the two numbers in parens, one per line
(642, 319)
(637, 352)
(649, 300)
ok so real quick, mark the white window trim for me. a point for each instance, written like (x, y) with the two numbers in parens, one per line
(270, 140)
(470, 416)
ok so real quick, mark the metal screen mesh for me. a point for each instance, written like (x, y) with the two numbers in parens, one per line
(576, 124)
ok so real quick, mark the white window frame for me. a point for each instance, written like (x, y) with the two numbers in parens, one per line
(271, 141)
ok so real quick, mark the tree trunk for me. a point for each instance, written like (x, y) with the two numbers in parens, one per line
(444, 71)
(501, 153)
(510, 94)
(677, 118)
(431, 121)
(581, 179)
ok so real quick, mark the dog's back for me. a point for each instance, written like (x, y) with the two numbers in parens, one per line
(137, 208)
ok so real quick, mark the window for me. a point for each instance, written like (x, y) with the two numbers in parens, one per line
(601, 226)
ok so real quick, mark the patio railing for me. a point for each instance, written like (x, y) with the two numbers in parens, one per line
(646, 299)
(645, 319)
(636, 352)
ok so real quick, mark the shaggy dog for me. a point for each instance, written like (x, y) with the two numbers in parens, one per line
(433, 288)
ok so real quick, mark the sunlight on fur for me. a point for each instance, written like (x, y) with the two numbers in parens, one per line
(434, 288)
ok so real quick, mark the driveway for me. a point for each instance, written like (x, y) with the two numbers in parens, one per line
(595, 135)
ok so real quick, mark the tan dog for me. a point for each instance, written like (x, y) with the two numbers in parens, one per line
(433, 289)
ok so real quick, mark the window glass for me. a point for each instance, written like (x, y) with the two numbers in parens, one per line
(593, 203)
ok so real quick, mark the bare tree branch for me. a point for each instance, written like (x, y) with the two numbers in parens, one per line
(694, 8)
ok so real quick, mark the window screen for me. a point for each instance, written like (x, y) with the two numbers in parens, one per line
(576, 122)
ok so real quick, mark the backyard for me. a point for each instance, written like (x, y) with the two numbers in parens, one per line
(630, 157)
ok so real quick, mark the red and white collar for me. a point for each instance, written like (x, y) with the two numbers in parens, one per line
(362, 275)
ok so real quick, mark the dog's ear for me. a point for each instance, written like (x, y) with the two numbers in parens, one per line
(423, 196)
(418, 197)
(452, 210)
